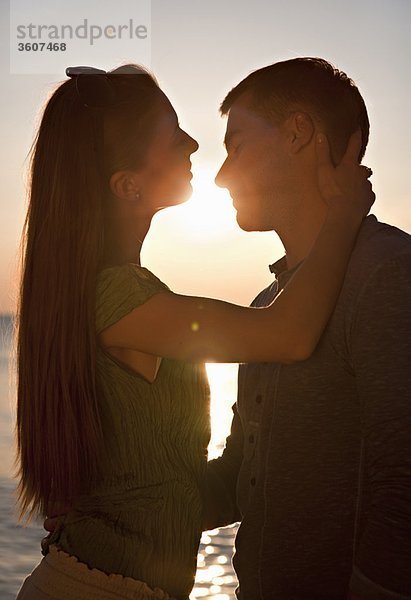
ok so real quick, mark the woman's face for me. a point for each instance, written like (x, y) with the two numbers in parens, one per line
(166, 175)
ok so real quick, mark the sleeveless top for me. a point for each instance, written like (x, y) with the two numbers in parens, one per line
(142, 518)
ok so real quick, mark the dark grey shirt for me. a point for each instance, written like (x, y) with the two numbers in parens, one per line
(318, 463)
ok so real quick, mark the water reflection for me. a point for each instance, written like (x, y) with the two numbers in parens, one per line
(215, 576)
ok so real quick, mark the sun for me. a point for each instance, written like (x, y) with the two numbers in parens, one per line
(209, 211)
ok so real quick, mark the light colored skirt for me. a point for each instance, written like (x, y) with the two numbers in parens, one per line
(60, 576)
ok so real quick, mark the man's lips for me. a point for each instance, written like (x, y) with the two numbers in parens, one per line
(236, 199)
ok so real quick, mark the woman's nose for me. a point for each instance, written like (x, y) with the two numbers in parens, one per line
(192, 143)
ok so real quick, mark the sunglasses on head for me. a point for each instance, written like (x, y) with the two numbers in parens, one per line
(93, 86)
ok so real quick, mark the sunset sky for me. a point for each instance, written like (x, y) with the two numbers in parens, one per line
(199, 50)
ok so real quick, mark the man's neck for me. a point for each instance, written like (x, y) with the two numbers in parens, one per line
(299, 236)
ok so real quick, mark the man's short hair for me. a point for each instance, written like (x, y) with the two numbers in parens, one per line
(312, 85)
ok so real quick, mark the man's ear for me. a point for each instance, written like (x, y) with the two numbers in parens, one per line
(124, 185)
(301, 131)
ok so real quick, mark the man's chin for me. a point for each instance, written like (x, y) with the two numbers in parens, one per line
(250, 227)
(247, 224)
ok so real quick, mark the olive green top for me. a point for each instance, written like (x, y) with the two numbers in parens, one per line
(143, 516)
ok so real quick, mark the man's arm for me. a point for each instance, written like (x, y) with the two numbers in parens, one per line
(381, 353)
(220, 503)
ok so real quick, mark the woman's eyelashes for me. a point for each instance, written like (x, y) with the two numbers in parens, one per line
(180, 138)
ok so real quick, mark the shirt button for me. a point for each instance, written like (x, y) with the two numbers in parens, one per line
(259, 399)
(251, 438)
(252, 481)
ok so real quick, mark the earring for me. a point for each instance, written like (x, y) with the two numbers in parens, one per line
(137, 195)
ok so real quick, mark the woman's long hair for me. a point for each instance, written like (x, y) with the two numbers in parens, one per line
(58, 425)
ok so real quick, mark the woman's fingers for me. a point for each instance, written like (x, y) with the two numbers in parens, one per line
(353, 148)
(327, 176)
(346, 184)
(367, 171)
(371, 194)
(351, 154)
(322, 148)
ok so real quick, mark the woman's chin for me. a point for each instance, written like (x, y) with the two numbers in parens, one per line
(186, 195)
(183, 196)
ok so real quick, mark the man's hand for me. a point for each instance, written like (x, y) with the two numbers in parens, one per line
(345, 186)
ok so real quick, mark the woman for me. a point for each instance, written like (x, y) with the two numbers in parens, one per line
(112, 396)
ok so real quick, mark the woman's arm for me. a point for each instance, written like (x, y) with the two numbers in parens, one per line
(202, 329)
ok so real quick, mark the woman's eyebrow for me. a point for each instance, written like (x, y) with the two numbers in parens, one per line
(177, 131)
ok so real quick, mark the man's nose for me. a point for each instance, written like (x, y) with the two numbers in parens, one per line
(221, 177)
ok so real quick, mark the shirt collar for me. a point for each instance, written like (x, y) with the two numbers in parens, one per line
(279, 266)
(281, 271)
(283, 274)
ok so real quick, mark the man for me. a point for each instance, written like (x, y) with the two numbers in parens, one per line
(318, 463)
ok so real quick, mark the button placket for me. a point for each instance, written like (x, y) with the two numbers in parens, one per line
(250, 439)
(251, 442)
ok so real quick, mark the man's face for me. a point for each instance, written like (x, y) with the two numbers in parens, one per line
(257, 169)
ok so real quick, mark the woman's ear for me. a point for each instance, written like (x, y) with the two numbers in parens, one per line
(124, 185)
(302, 131)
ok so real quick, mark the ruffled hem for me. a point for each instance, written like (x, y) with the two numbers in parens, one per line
(64, 577)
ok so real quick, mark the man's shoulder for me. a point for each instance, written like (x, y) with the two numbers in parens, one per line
(377, 245)
(379, 241)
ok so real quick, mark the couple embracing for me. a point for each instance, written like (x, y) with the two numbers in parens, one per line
(113, 413)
